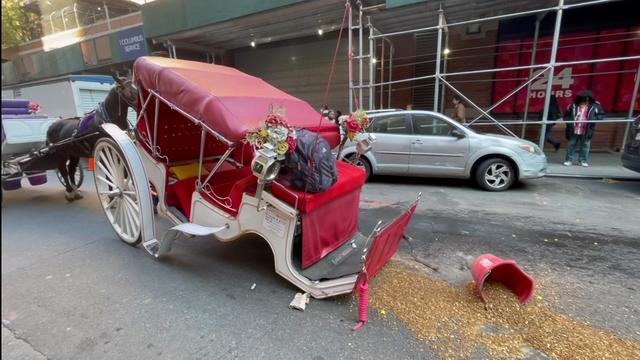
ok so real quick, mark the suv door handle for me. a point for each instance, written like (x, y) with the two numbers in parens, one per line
(417, 142)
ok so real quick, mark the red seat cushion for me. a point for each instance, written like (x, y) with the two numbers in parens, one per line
(350, 178)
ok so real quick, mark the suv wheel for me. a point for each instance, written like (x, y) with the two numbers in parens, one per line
(495, 174)
(361, 162)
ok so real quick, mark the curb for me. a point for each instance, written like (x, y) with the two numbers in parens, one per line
(596, 177)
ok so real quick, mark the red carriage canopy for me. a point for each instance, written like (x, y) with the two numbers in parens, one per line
(227, 100)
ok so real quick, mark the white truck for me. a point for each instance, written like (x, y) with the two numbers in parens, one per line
(66, 96)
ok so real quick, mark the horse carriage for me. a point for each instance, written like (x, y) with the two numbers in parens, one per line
(33, 144)
(24, 134)
(188, 149)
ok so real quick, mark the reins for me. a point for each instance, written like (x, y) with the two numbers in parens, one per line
(325, 97)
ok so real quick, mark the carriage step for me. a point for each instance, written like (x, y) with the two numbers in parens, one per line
(159, 248)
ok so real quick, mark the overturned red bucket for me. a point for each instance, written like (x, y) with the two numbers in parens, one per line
(490, 267)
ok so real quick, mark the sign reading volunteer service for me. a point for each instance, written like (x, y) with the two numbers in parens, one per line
(132, 43)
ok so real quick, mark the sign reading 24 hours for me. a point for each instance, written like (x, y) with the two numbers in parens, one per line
(132, 43)
(564, 79)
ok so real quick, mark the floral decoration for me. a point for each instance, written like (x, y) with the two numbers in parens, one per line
(34, 107)
(275, 132)
(357, 123)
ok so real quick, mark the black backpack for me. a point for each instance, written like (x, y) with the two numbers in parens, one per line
(311, 166)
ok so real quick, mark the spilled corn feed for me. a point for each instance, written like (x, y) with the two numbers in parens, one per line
(458, 325)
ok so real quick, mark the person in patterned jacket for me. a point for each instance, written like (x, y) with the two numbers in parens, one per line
(582, 112)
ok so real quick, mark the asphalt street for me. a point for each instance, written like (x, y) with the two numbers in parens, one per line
(72, 290)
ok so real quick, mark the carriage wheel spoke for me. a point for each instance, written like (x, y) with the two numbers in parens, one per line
(125, 219)
(129, 219)
(106, 181)
(116, 212)
(107, 171)
(133, 212)
(110, 204)
(132, 203)
(113, 165)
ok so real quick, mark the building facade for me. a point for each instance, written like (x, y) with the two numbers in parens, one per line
(291, 44)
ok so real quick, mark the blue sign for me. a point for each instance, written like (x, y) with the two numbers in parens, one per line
(132, 43)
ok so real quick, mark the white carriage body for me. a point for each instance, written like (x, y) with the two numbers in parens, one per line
(24, 135)
(183, 120)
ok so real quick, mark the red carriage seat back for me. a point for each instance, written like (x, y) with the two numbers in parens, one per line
(228, 186)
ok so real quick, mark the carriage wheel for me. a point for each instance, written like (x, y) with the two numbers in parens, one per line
(117, 191)
(78, 176)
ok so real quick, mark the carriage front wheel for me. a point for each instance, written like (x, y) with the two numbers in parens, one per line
(117, 191)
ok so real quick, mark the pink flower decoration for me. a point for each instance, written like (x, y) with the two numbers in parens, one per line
(293, 143)
(353, 125)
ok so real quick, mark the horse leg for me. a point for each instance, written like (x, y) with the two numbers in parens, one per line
(72, 167)
(68, 189)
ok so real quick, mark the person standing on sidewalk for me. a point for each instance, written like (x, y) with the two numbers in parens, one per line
(459, 111)
(582, 112)
(554, 115)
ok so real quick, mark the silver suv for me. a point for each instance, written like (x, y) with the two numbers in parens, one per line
(425, 143)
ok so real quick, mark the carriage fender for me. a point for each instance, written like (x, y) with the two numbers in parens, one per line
(130, 152)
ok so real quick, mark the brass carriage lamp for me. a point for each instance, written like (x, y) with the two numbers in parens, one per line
(265, 166)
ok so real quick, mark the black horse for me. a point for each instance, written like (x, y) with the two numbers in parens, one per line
(78, 131)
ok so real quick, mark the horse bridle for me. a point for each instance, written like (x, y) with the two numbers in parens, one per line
(130, 102)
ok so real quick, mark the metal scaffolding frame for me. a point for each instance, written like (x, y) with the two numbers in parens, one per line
(440, 76)
(374, 35)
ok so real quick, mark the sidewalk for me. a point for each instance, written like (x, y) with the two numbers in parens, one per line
(601, 165)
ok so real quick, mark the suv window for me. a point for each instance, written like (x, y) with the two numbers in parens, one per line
(429, 125)
(390, 124)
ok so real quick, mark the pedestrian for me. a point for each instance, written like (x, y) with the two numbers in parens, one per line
(337, 116)
(459, 111)
(581, 127)
(553, 115)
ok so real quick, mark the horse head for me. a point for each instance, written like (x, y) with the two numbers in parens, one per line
(126, 90)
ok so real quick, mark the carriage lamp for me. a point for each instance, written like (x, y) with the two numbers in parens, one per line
(366, 142)
(265, 167)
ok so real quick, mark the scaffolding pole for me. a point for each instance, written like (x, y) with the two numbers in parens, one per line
(536, 31)
(350, 57)
(436, 87)
(382, 76)
(444, 65)
(552, 61)
(631, 106)
(391, 51)
(106, 12)
(372, 65)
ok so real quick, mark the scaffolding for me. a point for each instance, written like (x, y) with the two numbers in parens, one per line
(442, 78)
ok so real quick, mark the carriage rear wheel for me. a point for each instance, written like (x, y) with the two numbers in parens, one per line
(78, 176)
(117, 191)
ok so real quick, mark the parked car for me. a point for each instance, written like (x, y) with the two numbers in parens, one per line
(631, 155)
(425, 143)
